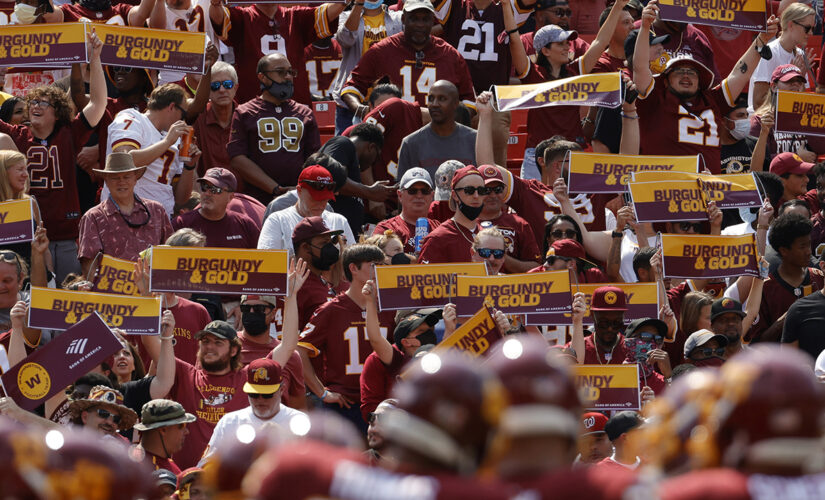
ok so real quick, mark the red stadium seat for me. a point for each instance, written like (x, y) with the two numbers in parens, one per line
(518, 121)
(326, 137)
(516, 145)
(325, 116)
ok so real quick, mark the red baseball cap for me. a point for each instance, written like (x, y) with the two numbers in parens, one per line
(263, 376)
(310, 227)
(220, 177)
(593, 423)
(786, 72)
(318, 181)
(571, 249)
(464, 172)
(789, 163)
(490, 174)
(608, 298)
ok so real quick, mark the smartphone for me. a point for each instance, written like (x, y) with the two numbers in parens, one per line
(630, 95)
(637, 350)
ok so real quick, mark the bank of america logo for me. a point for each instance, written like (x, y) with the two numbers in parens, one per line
(77, 346)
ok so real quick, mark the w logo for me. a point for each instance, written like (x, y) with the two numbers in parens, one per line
(33, 382)
(77, 346)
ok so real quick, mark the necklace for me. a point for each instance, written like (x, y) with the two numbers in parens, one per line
(607, 355)
(461, 231)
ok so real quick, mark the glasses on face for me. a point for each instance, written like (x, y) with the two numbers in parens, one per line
(485, 253)
(807, 27)
(562, 12)
(333, 240)
(106, 414)
(564, 233)
(182, 112)
(422, 190)
(255, 308)
(265, 396)
(609, 325)
(685, 71)
(687, 226)
(120, 69)
(283, 72)
(553, 258)
(497, 189)
(40, 104)
(227, 84)
(708, 351)
(320, 186)
(206, 187)
(650, 337)
(471, 190)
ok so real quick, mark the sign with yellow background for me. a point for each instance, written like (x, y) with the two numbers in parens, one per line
(642, 302)
(115, 276)
(739, 14)
(605, 173)
(16, 221)
(727, 191)
(667, 202)
(546, 292)
(800, 113)
(704, 256)
(421, 285)
(41, 45)
(474, 337)
(608, 387)
(596, 89)
(153, 49)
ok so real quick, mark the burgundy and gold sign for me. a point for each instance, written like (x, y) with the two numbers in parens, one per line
(153, 49)
(642, 302)
(606, 173)
(731, 191)
(608, 387)
(474, 337)
(667, 202)
(800, 113)
(704, 256)
(16, 221)
(115, 276)
(739, 14)
(421, 285)
(43, 45)
(218, 270)
(596, 89)
(547, 292)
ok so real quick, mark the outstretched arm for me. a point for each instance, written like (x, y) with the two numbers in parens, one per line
(165, 361)
(602, 40)
(379, 343)
(742, 71)
(484, 133)
(296, 277)
(97, 82)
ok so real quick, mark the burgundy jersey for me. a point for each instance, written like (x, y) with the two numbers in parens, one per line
(311, 470)
(395, 59)
(52, 173)
(277, 138)
(337, 332)
(608, 64)
(782, 296)
(322, 65)
(440, 211)
(404, 230)
(450, 242)
(544, 123)
(397, 119)
(253, 35)
(519, 239)
(116, 14)
(535, 202)
(670, 126)
(6, 11)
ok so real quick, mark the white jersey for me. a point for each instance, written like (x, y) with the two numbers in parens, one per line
(195, 19)
(276, 232)
(133, 128)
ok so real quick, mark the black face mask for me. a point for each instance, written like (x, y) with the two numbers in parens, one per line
(329, 256)
(428, 337)
(282, 90)
(400, 259)
(471, 213)
(254, 323)
(96, 5)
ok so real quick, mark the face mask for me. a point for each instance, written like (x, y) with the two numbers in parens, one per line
(746, 215)
(96, 5)
(712, 362)
(373, 5)
(741, 129)
(282, 90)
(471, 213)
(428, 337)
(254, 323)
(400, 259)
(329, 256)
(25, 13)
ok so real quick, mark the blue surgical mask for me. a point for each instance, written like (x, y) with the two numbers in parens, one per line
(373, 5)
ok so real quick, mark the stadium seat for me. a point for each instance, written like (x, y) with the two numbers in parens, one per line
(325, 116)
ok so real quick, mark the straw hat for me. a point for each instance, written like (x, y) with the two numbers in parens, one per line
(108, 398)
(119, 163)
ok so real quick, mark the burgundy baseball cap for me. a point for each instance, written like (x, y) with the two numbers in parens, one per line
(491, 174)
(789, 163)
(220, 177)
(464, 172)
(571, 249)
(318, 181)
(263, 376)
(786, 72)
(608, 298)
(310, 227)
(593, 423)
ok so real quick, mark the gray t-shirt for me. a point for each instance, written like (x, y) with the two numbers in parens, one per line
(423, 148)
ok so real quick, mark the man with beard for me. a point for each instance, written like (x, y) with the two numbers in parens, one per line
(680, 113)
(726, 319)
(606, 345)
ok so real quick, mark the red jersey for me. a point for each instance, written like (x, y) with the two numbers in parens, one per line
(315, 292)
(608, 64)
(6, 11)
(377, 379)
(596, 355)
(397, 119)
(52, 173)
(234, 230)
(535, 202)
(277, 138)
(253, 35)
(322, 65)
(190, 318)
(395, 59)
(338, 333)
(782, 296)
(671, 126)
(440, 211)
(404, 230)
(519, 240)
(544, 123)
(116, 14)
(448, 243)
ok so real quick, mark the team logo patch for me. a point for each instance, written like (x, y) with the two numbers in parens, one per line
(797, 158)
(33, 381)
(610, 298)
(261, 375)
(727, 303)
(490, 171)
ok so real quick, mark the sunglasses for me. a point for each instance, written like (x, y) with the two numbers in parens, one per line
(255, 308)
(497, 189)
(553, 258)
(807, 27)
(424, 190)
(106, 414)
(206, 187)
(485, 253)
(613, 325)
(650, 337)
(182, 112)
(121, 69)
(687, 226)
(562, 12)
(40, 104)
(227, 84)
(320, 186)
(707, 351)
(283, 72)
(564, 233)
(471, 190)
(265, 396)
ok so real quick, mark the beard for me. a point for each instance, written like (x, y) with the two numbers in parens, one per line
(214, 366)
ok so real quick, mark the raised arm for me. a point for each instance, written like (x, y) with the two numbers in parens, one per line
(379, 343)
(642, 76)
(157, 18)
(202, 93)
(141, 12)
(77, 87)
(602, 40)
(520, 61)
(577, 333)
(629, 143)
(165, 376)
(298, 274)
(596, 243)
(484, 133)
(93, 111)
(740, 75)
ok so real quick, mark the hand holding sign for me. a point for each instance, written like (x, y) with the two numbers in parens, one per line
(450, 317)
(649, 14)
(771, 30)
(167, 324)
(94, 45)
(141, 276)
(40, 242)
(715, 217)
(19, 313)
(560, 189)
(579, 307)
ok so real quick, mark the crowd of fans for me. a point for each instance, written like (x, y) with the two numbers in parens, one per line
(321, 393)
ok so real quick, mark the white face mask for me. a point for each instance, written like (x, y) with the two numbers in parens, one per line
(25, 13)
(746, 215)
(741, 128)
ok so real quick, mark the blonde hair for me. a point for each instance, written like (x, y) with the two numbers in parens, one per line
(794, 12)
(381, 240)
(691, 308)
(492, 232)
(8, 159)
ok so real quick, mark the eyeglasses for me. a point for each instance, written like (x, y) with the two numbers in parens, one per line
(372, 417)
(707, 351)
(685, 71)
(40, 104)
(471, 190)
(106, 414)
(265, 396)
(564, 233)
(687, 226)
(553, 258)
(227, 84)
(255, 308)
(562, 12)
(650, 337)
(182, 112)
(121, 69)
(496, 189)
(609, 325)
(320, 186)
(206, 187)
(424, 190)
(283, 72)
(807, 27)
(333, 240)
(419, 59)
(485, 253)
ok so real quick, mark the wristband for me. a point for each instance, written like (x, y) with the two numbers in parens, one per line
(514, 30)
(325, 394)
(616, 234)
(587, 119)
(762, 226)
(630, 117)
(193, 167)
(275, 190)
(170, 337)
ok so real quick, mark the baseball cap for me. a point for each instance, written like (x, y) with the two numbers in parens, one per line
(552, 33)
(621, 423)
(705, 75)
(220, 177)
(661, 326)
(546, 4)
(165, 477)
(444, 178)
(726, 305)
(220, 329)
(407, 325)
(571, 249)
(263, 376)
(630, 41)
(608, 298)
(702, 337)
(309, 227)
(786, 72)
(593, 423)
(789, 163)
(162, 413)
(491, 174)
(464, 172)
(411, 5)
(269, 299)
(416, 174)
(318, 181)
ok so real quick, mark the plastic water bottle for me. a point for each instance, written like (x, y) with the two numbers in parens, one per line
(422, 229)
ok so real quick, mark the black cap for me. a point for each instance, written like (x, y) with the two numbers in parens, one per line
(546, 4)
(413, 321)
(165, 477)
(630, 41)
(726, 305)
(634, 325)
(220, 329)
(620, 423)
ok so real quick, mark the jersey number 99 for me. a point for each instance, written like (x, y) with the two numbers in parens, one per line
(275, 134)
